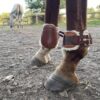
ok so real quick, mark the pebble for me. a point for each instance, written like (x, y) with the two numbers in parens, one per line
(99, 78)
(8, 78)
(63, 94)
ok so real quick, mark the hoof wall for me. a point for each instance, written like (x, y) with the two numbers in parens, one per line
(57, 84)
(37, 62)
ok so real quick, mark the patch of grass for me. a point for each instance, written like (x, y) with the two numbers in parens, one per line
(90, 22)
(93, 22)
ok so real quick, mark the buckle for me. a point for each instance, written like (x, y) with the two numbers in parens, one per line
(85, 40)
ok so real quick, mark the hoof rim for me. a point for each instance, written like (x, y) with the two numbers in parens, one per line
(37, 62)
(57, 84)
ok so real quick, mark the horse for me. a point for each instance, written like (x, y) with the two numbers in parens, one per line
(16, 14)
(76, 42)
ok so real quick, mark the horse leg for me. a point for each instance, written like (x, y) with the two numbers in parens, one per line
(49, 37)
(20, 21)
(64, 77)
(21, 25)
(11, 23)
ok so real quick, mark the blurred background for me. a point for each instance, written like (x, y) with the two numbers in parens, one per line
(34, 12)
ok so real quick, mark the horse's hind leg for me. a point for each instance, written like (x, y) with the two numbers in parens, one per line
(49, 37)
(11, 22)
(64, 77)
(20, 22)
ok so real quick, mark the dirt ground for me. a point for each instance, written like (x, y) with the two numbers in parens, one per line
(19, 81)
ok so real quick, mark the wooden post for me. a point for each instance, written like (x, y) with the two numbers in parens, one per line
(52, 10)
(76, 14)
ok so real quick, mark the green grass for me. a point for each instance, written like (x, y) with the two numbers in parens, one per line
(93, 22)
(90, 23)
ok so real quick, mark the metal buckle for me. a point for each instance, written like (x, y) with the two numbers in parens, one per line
(85, 40)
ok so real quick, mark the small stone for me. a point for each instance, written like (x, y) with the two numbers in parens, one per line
(9, 91)
(41, 99)
(99, 79)
(11, 66)
(22, 92)
(63, 94)
(8, 78)
(15, 83)
(33, 67)
(35, 91)
(4, 99)
(40, 83)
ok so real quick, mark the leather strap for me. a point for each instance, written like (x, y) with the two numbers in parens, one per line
(69, 39)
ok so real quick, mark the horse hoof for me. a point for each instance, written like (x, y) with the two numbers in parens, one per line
(37, 62)
(57, 84)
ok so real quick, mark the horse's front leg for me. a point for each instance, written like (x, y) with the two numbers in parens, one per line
(65, 77)
(20, 22)
(49, 37)
(75, 46)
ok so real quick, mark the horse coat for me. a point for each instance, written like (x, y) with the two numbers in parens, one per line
(16, 14)
(64, 77)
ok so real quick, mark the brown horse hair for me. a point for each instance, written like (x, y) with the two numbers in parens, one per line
(76, 20)
(52, 11)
